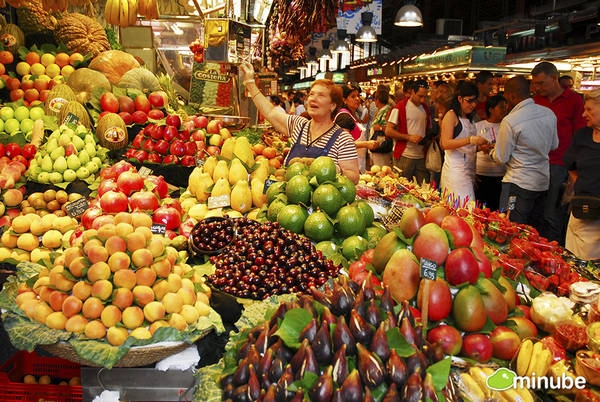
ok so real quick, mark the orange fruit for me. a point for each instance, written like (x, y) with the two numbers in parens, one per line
(16, 94)
(75, 58)
(2, 69)
(13, 83)
(62, 59)
(6, 57)
(32, 57)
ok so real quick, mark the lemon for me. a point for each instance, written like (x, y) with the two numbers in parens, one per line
(323, 169)
(318, 227)
(292, 217)
(328, 199)
(298, 190)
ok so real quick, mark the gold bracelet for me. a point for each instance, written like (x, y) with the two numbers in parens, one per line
(253, 96)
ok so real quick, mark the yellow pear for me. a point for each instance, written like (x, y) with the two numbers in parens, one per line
(241, 197)
(261, 170)
(221, 170)
(228, 148)
(220, 188)
(209, 165)
(237, 172)
(257, 186)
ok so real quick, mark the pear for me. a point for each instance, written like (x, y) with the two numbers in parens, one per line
(60, 165)
(83, 156)
(69, 175)
(65, 139)
(52, 144)
(57, 152)
(221, 187)
(241, 197)
(83, 173)
(237, 172)
(209, 165)
(43, 177)
(90, 148)
(198, 211)
(221, 170)
(243, 150)
(202, 191)
(228, 148)
(73, 162)
(56, 177)
(92, 167)
(78, 143)
(261, 170)
(89, 139)
(81, 131)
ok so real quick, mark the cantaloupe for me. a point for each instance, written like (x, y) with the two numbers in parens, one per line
(111, 131)
(76, 109)
(58, 96)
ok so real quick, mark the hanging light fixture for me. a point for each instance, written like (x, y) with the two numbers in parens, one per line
(325, 52)
(340, 45)
(409, 15)
(312, 60)
(366, 33)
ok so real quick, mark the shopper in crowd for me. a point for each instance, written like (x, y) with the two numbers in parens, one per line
(314, 137)
(276, 101)
(459, 141)
(568, 108)
(346, 119)
(566, 81)
(407, 124)
(288, 104)
(583, 157)
(485, 84)
(441, 103)
(299, 103)
(488, 183)
(525, 137)
(382, 154)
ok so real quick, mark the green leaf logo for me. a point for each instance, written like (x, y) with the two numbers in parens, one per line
(501, 380)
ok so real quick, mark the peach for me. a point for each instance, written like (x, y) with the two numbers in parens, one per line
(71, 306)
(124, 278)
(142, 258)
(202, 297)
(116, 336)
(174, 282)
(95, 329)
(162, 267)
(142, 295)
(122, 229)
(56, 300)
(145, 231)
(141, 333)
(177, 321)
(44, 293)
(25, 296)
(82, 290)
(90, 244)
(145, 276)
(41, 312)
(79, 266)
(110, 316)
(106, 231)
(132, 317)
(88, 234)
(172, 254)
(58, 280)
(190, 314)
(92, 308)
(156, 325)
(56, 320)
(114, 244)
(141, 219)
(29, 307)
(161, 288)
(154, 311)
(188, 284)
(156, 245)
(188, 296)
(76, 324)
(12, 197)
(203, 308)
(71, 254)
(122, 298)
(123, 217)
(104, 220)
(98, 271)
(173, 302)
(102, 289)
(135, 241)
(118, 261)
(97, 254)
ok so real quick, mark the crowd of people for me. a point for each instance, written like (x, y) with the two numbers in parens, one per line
(531, 150)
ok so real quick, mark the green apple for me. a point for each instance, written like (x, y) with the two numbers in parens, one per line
(12, 125)
(70, 175)
(81, 131)
(36, 112)
(56, 177)
(44, 177)
(57, 153)
(60, 165)
(78, 143)
(83, 173)
(26, 126)
(89, 139)
(7, 112)
(73, 162)
(91, 149)
(21, 112)
(47, 163)
(65, 139)
(84, 157)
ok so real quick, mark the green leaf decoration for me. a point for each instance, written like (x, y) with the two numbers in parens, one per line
(440, 371)
(397, 341)
(292, 325)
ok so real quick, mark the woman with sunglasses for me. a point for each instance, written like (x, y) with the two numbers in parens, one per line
(459, 140)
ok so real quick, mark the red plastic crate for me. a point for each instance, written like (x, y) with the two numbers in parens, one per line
(23, 363)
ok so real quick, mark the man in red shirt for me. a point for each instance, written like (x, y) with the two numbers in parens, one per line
(485, 84)
(568, 108)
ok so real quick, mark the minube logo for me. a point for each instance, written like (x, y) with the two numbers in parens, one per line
(503, 379)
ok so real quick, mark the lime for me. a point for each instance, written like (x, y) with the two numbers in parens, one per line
(274, 209)
(318, 227)
(274, 189)
(323, 169)
(21, 113)
(354, 246)
(12, 125)
(292, 217)
(326, 247)
(350, 221)
(347, 188)
(296, 168)
(298, 190)
(373, 234)
(327, 198)
(366, 211)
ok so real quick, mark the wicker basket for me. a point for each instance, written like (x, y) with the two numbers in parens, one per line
(138, 356)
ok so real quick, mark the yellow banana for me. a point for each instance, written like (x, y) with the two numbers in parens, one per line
(114, 12)
(480, 378)
(522, 394)
(133, 6)
(123, 13)
(511, 395)
(524, 357)
(469, 388)
(538, 347)
(108, 12)
(542, 362)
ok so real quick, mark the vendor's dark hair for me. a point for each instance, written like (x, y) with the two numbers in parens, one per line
(276, 100)
(382, 96)
(347, 89)
(483, 76)
(464, 89)
(545, 67)
(492, 102)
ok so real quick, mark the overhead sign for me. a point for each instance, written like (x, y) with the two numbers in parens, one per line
(461, 56)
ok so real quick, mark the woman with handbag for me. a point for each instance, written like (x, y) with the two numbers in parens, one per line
(583, 160)
(382, 154)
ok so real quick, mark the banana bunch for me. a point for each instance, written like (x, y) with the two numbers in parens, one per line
(55, 5)
(148, 9)
(472, 385)
(533, 359)
(122, 13)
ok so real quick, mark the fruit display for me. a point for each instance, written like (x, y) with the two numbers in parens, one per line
(344, 342)
(266, 259)
(17, 118)
(384, 182)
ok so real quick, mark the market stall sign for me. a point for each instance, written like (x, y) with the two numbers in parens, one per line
(461, 56)
(77, 208)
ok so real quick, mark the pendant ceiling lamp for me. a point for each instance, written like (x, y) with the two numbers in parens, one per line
(409, 15)
(366, 33)
(340, 45)
(312, 60)
(325, 53)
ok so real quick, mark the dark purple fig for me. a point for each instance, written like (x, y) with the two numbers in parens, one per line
(413, 390)
(429, 389)
(352, 388)
(416, 362)
(396, 369)
(371, 369)
(367, 287)
(360, 303)
(391, 395)
(373, 314)
(280, 313)
(281, 351)
(321, 297)
(322, 391)
(309, 331)
(406, 312)
(271, 394)
(368, 395)
(340, 366)
(286, 379)
(408, 331)
(265, 362)
(307, 303)
(244, 348)
(342, 298)
(343, 336)
(322, 346)
(298, 396)
(262, 340)
(385, 300)
(276, 370)
(253, 357)
(240, 375)
(240, 394)
(379, 343)
(298, 357)
(360, 328)
(391, 320)
(228, 379)
(265, 381)
(309, 364)
(327, 316)
(433, 352)
(253, 384)
(338, 396)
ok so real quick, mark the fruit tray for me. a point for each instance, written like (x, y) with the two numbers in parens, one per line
(22, 363)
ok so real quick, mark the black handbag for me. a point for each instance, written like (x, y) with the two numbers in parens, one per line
(585, 207)
(384, 147)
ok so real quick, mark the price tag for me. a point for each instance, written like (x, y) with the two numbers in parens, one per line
(268, 183)
(200, 162)
(428, 269)
(71, 120)
(145, 171)
(512, 202)
(77, 208)
(219, 201)
(158, 228)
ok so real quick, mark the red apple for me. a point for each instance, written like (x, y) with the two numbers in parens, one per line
(148, 145)
(524, 327)
(187, 160)
(432, 243)
(200, 121)
(158, 99)
(162, 147)
(142, 104)
(505, 342)
(126, 104)
(460, 231)
(183, 135)
(173, 120)
(177, 148)
(461, 266)
(168, 216)
(139, 117)
(157, 132)
(477, 347)
(90, 214)
(169, 133)
(449, 338)
(170, 159)
(436, 214)
(121, 167)
(140, 154)
(199, 135)
(154, 157)
(190, 148)
(127, 118)
(213, 150)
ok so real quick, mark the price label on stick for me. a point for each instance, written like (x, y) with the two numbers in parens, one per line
(268, 183)
(428, 269)
(158, 228)
(218, 201)
(71, 120)
(77, 208)
(144, 171)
